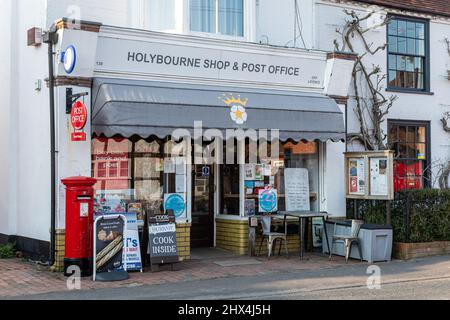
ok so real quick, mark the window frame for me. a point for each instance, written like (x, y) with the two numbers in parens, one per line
(426, 74)
(245, 23)
(418, 123)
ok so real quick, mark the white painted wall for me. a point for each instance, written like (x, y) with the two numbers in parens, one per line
(24, 129)
(33, 156)
(25, 172)
(7, 214)
(408, 106)
(113, 12)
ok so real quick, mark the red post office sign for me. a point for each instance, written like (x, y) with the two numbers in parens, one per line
(78, 136)
(78, 115)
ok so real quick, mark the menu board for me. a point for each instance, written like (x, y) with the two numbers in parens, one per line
(356, 176)
(378, 177)
(296, 185)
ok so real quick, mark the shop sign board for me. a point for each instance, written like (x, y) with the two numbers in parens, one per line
(369, 175)
(188, 58)
(109, 233)
(163, 243)
(131, 246)
(78, 115)
(78, 119)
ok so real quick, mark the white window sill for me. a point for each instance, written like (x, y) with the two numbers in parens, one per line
(217, 36)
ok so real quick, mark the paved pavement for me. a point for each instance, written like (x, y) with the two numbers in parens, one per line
(243, 278)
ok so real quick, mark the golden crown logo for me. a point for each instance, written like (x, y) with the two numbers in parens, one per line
(230, 100)
(237, 107)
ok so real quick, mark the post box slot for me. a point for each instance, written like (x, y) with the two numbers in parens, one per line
(83, 198)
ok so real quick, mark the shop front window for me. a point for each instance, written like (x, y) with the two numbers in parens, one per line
(135, 171)
(411, 151)
(301, 155)
(230, 189)
(260, 173)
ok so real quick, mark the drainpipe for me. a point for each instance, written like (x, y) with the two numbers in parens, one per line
(51, 38)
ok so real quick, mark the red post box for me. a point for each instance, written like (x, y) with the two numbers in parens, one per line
(79, 223)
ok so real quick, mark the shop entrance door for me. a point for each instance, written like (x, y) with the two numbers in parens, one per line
(202, 229)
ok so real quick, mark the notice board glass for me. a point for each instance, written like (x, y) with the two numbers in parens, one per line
(369, 175)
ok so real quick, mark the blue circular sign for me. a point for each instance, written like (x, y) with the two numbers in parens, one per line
(268, 200)
(176, 203)
(69, 59)
(205, 171)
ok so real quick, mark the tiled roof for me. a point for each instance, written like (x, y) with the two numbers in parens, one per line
(434, 7)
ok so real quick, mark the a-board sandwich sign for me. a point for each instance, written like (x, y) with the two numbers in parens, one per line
(163, 243)
(109, 232)
(131, 245)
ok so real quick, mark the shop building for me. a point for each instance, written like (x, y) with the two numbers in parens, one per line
(175, 102)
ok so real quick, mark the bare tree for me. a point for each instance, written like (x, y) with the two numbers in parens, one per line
(372, 106)
(437, 173)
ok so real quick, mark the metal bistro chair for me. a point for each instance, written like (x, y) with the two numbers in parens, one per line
(271, 237)
(348, 240)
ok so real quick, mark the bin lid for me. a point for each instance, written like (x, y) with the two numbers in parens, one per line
(367, 226)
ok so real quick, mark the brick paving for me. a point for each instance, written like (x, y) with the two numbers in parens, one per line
(19, 277)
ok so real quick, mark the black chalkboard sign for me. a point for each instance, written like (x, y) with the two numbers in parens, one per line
(162, 240)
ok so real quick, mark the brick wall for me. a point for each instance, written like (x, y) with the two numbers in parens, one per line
(232, 235)
(60, 238)
(407, 251)
(184, 241)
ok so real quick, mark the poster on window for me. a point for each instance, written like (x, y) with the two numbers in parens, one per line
(296, 186)
(378, 177)
(268, 200)
(180, 183)
(180, 166)
(356, 176)
(136, 207)
(177, 203)
(108, 201)
(259, 172)
(169, 166)
(249, 207)
(249, 170)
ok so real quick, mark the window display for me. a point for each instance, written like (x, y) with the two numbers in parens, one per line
(135, 174)
(265, 179)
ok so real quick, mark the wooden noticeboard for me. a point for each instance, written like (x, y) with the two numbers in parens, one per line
(369, 175)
